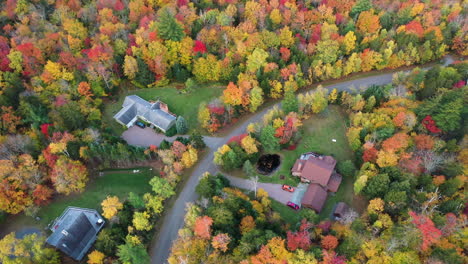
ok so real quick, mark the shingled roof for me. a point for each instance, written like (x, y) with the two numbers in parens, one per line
(75, 231)
(135, 107)
(315, 168)
(314, 198)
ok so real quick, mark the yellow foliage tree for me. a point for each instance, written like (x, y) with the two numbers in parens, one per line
(275, 16)
(247, 224)
(276, 89)
(189, 157)
(333, 96)
(110, 206)
(349, 42)
(376, 206)
(249, 144)
(387, 158)
(130, 67)
(141, 221)
(96, 257)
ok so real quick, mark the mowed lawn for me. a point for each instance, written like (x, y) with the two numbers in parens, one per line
(118, 183)
(319, 130)
(185, 105)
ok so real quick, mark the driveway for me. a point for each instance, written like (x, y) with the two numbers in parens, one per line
(273, 189)
(144, 137)
(174, 218)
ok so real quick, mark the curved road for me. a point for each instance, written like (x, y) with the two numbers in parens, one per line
(174, 218)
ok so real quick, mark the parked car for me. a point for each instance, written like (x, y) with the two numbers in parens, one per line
(140, 124)
(287, 188)
(293, 205)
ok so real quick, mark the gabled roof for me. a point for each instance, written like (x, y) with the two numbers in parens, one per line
(314, 197)
(317, 169)
(75, 231)
(334, 182)
(134, 106)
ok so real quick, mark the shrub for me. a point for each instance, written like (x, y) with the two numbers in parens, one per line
(346, 168)
(171, 131)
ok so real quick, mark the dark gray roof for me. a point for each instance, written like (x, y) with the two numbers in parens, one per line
(134, 106)
(75, 231)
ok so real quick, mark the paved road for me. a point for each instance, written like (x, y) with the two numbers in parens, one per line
(174, 218)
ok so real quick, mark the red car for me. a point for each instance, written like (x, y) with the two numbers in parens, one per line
(287, 188)
(293, 205)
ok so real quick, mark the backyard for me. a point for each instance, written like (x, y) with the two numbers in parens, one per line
(185, 105)
(113, 182)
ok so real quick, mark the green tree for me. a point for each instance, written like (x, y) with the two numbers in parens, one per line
(360, 6)
(136, 200)
(144, 76)
(168, 27)
(377, 186)
(196, 139)
(30, 249)
(181, 125)
(319, 100)
(267, 138)
(256, 60)
(248, 169)
(290, 102)
(134, 254)
(256, 98)
(162, 187)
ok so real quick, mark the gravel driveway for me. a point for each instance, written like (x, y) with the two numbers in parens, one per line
(273, 189)
(144, 137)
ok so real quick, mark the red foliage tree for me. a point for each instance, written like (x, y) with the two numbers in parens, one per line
(430, 233)
(415, 27)
(431, 125)
(199, 47)
(202, 227)
(300, 239)
(285, 53)
(399, 141)
(329, 242)
(370, 155)
(237, 139)
(330, 257)
(178, 148)
(424, 142)
(42, 194)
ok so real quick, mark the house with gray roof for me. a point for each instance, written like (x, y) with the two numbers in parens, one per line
(75, 231)
(135, 107)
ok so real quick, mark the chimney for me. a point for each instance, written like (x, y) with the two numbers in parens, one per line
(99, 221)
(163, 107)
(64, 232)
(299, 167)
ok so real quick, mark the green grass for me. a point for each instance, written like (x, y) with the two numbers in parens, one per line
(118, 183)
(185, 105)
(287, 213)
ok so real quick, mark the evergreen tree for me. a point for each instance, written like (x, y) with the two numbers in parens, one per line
(181, 125)
(168, 27)
(144, 76)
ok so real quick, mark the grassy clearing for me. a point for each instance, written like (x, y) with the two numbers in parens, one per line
(185, 105)
(319, 130)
